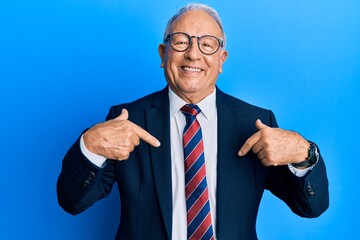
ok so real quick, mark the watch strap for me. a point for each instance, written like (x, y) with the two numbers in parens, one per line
(313, 157)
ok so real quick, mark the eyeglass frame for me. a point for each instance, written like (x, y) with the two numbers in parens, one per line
(221, 42)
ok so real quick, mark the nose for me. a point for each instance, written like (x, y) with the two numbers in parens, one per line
(193, 52)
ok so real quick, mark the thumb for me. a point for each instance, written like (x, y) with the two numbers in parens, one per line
(124, 115)
(259, 125)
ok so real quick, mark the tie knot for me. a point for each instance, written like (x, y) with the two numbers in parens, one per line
(190, 109)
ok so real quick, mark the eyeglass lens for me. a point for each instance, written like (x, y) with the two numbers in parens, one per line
(207, 44)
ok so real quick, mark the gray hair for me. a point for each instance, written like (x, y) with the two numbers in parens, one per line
(195, 6)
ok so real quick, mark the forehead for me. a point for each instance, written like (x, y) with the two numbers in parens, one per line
(196, 23)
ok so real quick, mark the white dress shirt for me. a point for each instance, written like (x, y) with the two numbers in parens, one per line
(208, 122)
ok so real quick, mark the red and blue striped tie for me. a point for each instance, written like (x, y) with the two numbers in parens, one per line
(199, 224)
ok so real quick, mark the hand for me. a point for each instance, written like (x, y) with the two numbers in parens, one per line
(275, 146)
(117, 138)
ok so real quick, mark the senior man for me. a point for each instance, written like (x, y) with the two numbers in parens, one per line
(190, 161)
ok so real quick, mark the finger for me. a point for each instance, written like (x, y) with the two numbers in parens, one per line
(135, 140)
(265, 162)
(259, 125)
(261, 155)
(147, 137)
(124, 115)
(257, 147)
(249, 144)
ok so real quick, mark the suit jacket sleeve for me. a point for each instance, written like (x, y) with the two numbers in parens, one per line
(306, 196)
(81, 183)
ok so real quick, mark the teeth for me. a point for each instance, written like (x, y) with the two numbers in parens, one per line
(191, 69)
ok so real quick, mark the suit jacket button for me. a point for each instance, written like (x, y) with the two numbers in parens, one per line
(86, 184)
(310, 189)
(91, 176)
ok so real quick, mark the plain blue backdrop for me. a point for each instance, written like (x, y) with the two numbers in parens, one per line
(64, 63)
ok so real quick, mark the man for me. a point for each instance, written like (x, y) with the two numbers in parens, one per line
(190, 161)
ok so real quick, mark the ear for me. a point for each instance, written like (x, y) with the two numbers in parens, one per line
(223, 57)
(162, 50)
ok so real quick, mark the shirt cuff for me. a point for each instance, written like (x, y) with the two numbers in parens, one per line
(98, 160)
(299, 172)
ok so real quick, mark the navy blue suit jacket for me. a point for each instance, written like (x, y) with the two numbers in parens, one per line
(144, 180)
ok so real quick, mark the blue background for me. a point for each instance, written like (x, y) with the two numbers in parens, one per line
(64, 63)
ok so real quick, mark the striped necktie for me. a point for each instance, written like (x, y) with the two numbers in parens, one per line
(199, 225)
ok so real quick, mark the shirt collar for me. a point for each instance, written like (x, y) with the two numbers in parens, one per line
(207, 105)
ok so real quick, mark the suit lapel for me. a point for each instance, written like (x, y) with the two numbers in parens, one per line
(158, 124)
(230, 125)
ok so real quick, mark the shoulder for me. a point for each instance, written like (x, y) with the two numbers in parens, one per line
(139, 105)
(244, 109)
(235, 103)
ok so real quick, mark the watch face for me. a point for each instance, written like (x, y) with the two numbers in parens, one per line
(313, 154)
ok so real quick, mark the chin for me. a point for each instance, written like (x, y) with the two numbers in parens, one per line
(192, 90)
(193, 86)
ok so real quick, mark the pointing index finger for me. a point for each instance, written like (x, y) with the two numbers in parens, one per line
(147, 137)
(249, 144)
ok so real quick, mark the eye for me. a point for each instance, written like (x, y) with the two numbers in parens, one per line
(179, 43)
(180, 40)
(208, 44)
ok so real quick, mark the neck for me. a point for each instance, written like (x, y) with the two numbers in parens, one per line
(193, 98)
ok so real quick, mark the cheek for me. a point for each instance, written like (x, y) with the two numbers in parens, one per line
(214, 66)
(170, 70)
(170, 64)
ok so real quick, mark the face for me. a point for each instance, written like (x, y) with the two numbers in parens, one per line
(192, 75)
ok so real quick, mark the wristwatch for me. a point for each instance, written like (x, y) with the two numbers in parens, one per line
(313, 157)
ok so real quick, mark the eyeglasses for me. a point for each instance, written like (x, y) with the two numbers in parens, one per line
(207, 44)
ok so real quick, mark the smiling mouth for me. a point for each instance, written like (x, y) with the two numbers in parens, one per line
(191, 69)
